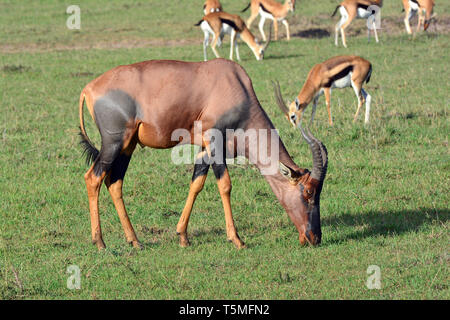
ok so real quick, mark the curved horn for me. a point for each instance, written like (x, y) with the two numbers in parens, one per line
(319, 153)
(270, 38)
(279, 98)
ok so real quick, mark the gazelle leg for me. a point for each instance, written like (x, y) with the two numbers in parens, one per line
(347, 17)
(375, 31)
(213, 46)
(360, 97)
(205, 44)
(261, 28)
(232, 38)
(201, 168)
(224, 185)
(251, 18)
(286, 24)
(368, 99)
(336, 32)
(114, 183)
(237, 48)
(409, 14)
(420, 20)
(93, 185)
(275, 29)
(327, 93)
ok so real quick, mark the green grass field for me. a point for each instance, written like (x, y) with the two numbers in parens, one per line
(385, 201)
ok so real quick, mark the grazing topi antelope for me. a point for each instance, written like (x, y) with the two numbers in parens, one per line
(270, 9)
(351, 9)
(219, 23)
(425, 10)
(212, 6)
(147, 102)
(337, 72)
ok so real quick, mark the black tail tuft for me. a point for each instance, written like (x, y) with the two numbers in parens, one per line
(198, 23)
(335, 10)
(369, 74)
(89, 150)
(246, 8)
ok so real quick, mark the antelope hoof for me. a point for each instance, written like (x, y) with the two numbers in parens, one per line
(100, 244)
(136, 244)
(238, 242)
(184, 241)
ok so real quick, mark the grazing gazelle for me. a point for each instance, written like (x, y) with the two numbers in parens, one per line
(270, 9)
(148, 102)
(337, 72)
(212, 6)
(351, 9)
(425, 10)
(219, 23)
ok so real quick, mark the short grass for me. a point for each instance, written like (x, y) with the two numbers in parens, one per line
(385, 200)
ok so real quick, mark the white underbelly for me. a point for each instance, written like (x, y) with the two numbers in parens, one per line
(414, 6)
(363, 13)
(267, 15)
(226, 28)
(343, 82)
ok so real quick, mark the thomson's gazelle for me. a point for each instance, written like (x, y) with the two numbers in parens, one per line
(337, 72)
(217, 24)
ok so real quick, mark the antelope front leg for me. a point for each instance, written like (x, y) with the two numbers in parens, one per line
(224, 185)
(406, 21)
(201, 168)
(232, 39)
(327, 93)
(360, 97)
(213, 46)
(275, 28)
(261, 28)
(286, 24)
(368, 99)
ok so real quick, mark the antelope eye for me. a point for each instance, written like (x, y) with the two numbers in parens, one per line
(309, 192)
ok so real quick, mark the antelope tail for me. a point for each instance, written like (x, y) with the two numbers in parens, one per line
(369, 74)
(90, 150)
(246, 8)
(335, 10)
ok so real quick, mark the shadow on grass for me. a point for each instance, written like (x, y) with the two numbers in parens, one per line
(284, 56)
(313, 33)
(385, 223)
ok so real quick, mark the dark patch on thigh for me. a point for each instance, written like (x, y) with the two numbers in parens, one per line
(235, 118)
(112, 113)
(338, 76)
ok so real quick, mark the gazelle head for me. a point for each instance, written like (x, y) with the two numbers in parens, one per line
(428, 21)
(296, 108)
(303, 200)
(258, 49)
(291, 4)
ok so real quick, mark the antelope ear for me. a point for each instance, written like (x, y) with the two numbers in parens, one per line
(297, 104)
(289, 173)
